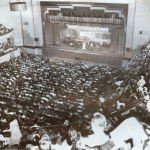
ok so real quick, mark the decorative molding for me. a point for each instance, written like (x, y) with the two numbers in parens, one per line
(92, 7)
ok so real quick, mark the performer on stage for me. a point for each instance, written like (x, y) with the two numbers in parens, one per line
(76, 43)
(91, 46)
(101, 45)
(83, 45)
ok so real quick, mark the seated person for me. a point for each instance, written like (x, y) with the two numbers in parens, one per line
(32, 139)
(141, 82)
(129, 129)
(46, 144)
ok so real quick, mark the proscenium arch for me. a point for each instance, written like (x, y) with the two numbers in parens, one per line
(59, 7)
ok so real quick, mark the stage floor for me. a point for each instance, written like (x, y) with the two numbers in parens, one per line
(103, 56)
(104, 51)
(70, 53)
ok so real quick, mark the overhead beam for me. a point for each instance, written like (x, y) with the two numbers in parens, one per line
(90, 1)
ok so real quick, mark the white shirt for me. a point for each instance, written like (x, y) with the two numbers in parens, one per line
(141, 82)
(65, 145)
(130, 128)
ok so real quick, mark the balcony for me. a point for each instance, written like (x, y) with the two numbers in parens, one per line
(4, 36)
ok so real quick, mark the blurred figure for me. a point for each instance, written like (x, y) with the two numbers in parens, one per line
(16, 135)
(46, 144)
(91, 46)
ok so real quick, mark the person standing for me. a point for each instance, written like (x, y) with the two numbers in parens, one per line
(76, 43)
(91, 46)
(16, 135)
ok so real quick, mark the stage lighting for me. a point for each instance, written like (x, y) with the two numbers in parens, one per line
(18, 5)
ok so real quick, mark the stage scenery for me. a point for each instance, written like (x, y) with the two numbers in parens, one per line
(89, 29)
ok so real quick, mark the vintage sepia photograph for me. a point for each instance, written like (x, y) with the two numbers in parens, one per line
(75, 75)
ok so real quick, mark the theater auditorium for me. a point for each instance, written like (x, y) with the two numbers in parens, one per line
(74, 75)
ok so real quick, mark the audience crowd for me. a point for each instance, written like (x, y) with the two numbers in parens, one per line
(4, 30)
(6, 47)
(52, 94)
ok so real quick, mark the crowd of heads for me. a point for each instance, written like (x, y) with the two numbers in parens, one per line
(59, 88)
(4, 30)
(52, 91)
(7, 47)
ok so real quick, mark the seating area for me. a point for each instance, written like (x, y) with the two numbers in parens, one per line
(40, 83)
(6, 48)
(4, 30)
(52, 92)
(74, 75)
(6, 42)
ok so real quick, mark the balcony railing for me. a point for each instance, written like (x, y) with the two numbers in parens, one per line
(4, 36)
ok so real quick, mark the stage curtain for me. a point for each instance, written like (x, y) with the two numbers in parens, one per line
(56, 32)
(117, 40)
(121, 44)
(48, 33)
(52, 33)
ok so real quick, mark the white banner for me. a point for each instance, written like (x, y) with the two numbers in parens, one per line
(88, 28)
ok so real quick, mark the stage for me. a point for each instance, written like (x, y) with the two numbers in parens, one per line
(103, 56)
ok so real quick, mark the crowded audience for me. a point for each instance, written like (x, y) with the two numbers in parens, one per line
(59, 97)
(4, 30)
(7, 47)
